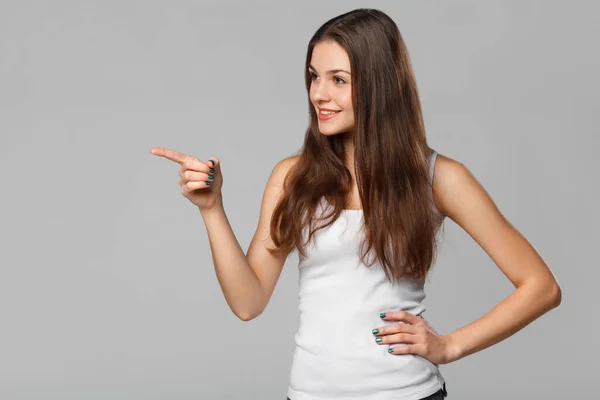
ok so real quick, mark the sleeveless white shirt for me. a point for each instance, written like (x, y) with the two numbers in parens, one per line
(340, 299)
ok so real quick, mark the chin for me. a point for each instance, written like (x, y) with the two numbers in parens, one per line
(330, 131)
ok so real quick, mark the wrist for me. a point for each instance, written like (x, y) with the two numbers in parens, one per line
(214, 209)
(454, 348)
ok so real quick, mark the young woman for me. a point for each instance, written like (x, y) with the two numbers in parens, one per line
(363, 203)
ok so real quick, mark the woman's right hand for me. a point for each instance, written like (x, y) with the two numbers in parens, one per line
(196, 182)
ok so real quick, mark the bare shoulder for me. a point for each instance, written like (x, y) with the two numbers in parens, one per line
(455, 186)
(266, 265)
(459, 196)
(289, 162)
(281, 170)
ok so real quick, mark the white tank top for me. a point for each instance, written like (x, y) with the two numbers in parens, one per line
(340, 299)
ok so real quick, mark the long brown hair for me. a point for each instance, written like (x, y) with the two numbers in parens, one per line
(390, 160)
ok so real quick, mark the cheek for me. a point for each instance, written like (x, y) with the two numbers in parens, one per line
(311, 94)
(346, 101)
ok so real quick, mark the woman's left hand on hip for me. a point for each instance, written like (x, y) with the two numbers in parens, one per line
(417, 337)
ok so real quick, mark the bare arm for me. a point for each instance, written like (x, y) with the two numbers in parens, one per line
(463, 199)
(239, 283)
(247, 281)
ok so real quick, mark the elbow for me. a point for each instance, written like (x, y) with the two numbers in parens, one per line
(248, 315)
(244, 318)
(252, 309)
(548, 293)
(556, 296)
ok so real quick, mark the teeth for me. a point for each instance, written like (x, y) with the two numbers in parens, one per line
(328, 112)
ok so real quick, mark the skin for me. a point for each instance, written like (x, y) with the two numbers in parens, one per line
(457, 194)
(334, 91)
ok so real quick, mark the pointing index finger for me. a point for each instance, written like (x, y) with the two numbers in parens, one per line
(169, 154)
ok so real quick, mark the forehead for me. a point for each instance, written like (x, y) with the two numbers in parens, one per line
(329, 55)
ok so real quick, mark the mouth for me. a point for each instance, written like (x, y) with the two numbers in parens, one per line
(325, 114)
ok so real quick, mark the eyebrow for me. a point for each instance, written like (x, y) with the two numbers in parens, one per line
(331, 71)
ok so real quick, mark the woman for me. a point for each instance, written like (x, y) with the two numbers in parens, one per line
(366, 184)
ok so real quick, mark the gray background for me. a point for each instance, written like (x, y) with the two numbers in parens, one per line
(107, 287)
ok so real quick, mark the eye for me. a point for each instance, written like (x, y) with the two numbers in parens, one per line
(337, 78)
(312, 75)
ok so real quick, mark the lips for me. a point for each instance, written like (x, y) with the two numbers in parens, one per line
(324, 117)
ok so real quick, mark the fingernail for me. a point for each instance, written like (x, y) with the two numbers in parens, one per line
(207, 183)
(382, 315)
(211, 176)
(213, 163)
(212, 170)
(375, 331)
(390, 350)
(378, 340)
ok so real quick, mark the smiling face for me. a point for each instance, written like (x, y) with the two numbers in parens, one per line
(331, 89)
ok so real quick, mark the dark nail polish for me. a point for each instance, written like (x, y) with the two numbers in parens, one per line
(212, 170)
(378, 340)
(382, 315)
(211, 176)
(375, 331)
(390, 350)
(207, 183)
(211, 161)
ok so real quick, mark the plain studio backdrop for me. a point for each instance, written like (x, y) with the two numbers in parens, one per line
(107, 287)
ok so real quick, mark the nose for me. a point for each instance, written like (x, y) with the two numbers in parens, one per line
(320, 92)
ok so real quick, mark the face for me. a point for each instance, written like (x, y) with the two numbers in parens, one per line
(330, 88)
